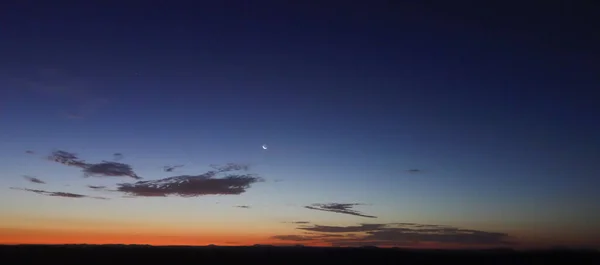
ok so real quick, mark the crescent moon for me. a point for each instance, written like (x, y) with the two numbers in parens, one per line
(264, 146)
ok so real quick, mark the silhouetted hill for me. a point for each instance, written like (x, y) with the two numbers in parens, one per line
(144, 254)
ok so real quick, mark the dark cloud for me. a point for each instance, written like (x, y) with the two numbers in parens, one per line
(117, 156)
(59, 194)
(293, 238)
(110, 169)
(191, 186)
(366, 243)
(343, 229)
(102, 169)
(400, 234)
(96, 187)
(230, 167)
(313, 237)
(343, 208)
(171, 168)
(34, 180)
(67, 158)
(322, 235)
(30, 152)
(242, 206)
(438, 235)
(298, 222)
(414, 171)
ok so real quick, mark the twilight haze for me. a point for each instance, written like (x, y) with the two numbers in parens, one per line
(388, 123)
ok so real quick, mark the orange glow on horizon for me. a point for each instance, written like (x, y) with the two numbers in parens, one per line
(38, 236)
(62, 236)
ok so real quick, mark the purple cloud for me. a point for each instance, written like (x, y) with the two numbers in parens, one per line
(343, 208)
(59, 194)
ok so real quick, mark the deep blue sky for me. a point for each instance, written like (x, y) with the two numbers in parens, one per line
(497, 105)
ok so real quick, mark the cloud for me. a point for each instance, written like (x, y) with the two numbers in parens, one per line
(310, 237)
(34, 180)
(67, 159)
(102, 169)
(171, 168)
(110, 169)
(59, 194)
(293, 238)
(438, 235)
(399, 234)
(191, 185)
(117, 156)
(298, 222)
(414, 171)
(242, 206)
(29, 152)
(230, 167)
(343, 208)
(343, 229)
(96, 187)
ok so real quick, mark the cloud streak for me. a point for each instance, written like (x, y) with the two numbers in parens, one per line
(191, 185)
(343, 208)
(34, 180)
(230, 167)
(397, 234)
(117, 156)
(110, 169)
(293, 238)
(59, 194)
(67, 159)
(298, 222)
(102, 169)
(171, 168)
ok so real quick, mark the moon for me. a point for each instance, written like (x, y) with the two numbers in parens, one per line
(264, 146)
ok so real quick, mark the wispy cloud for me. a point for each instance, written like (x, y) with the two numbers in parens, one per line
(343, 208)
(398, 234)
(34, 179)
(343, 229)
(59, 194)
(230, 167)
(192, 185)
(102, 169)
(294, 238)
(171, 168)
(298, 222)
(242, 206)
(414, 170)
(30, 152)
(117, 156)
(110, 169)
(96, 187)
(67, 159)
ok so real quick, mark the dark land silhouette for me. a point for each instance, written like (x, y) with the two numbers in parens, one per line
(264, 254)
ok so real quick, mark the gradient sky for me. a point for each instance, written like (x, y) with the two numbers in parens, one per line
(454, 126)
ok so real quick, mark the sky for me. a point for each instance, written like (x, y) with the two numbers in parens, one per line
(456, 124)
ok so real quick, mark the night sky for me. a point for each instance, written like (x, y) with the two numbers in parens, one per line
(390, 123)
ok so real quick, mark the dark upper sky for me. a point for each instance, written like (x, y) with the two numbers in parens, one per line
(488, 93)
